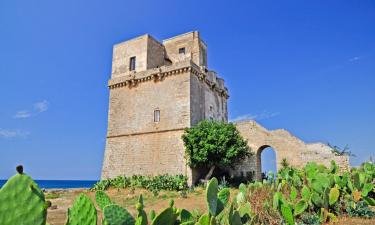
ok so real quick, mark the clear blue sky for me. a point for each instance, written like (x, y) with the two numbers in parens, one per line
(306, 66)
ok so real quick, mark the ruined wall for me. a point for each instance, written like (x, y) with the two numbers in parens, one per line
(322, 153)
(286, 146)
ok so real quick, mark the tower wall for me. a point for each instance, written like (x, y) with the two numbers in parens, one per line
(207, 103)
(138, 145)
(178, 85)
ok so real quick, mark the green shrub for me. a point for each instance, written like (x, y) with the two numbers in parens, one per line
(52, 195)
(359, 209)
(214, 144)
(152, 183)
(309, 219)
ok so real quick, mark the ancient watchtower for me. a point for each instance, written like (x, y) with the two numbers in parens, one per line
(157, 90)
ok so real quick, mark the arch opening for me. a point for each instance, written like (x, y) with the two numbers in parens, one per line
(266, 162)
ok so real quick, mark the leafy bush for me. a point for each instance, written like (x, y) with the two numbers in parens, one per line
(359, 209)
(213, 144)
(309, 219)
(152, 183)
(52, 195)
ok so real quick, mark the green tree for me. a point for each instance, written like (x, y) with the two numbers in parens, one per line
(212, 144)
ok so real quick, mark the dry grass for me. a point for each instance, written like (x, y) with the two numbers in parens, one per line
(353, 221)
(259, 198)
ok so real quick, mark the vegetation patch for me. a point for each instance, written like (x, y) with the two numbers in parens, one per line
(311, 195)
(151, 183)
(53, 195)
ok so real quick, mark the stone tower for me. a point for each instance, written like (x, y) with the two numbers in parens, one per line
(157, 90)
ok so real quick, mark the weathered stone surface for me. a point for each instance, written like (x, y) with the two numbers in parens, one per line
(185, 92)
(286, 146)
(178, 85)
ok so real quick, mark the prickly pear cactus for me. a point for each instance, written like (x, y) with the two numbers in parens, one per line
(102, 199)
(142, 216)
(211, 196)
(166, 217)
(287, 214)
(82, 212)
(116, 215)
(186, 216)
(216, 201)
(22, 202)
(152, 215)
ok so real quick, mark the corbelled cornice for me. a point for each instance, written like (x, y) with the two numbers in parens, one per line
(159, 74)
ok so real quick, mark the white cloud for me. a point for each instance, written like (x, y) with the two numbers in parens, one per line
(41, 106)
(12, 133)
(355, 58)
(260, 116)
(22, 114)
(38, 107)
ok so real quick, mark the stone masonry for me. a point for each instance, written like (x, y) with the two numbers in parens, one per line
(168, 89)
(159, 89)
(286, 146)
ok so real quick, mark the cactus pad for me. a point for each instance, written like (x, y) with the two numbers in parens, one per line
(22, 202)
(116, 215)
(102, 199)
(82, 212)
(211, 196)
(166, 217)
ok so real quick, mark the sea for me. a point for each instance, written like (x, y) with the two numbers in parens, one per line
(48, 184)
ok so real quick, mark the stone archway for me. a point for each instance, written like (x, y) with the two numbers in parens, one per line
(286, 146)
(258, 171)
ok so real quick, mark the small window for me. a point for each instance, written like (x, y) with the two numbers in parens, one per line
(157, 115)
(132, 63)
(181, 51)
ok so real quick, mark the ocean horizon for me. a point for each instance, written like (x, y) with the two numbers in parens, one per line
(64, 184)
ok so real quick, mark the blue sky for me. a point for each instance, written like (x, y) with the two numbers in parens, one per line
(306, 66)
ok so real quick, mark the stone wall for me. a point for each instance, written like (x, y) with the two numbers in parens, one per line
(146, 154)
(135, 143)
(195, 49)
(131, 109)
(286, 146)
(205, 103)
(155, 54)
(123, 51)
